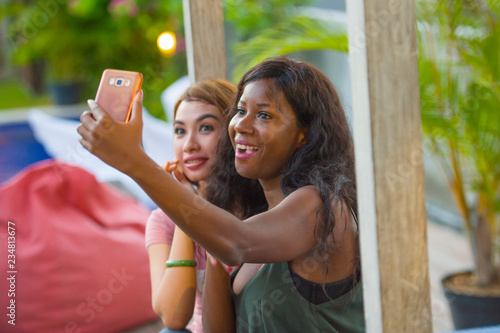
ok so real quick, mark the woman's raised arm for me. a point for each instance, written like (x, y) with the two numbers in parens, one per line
(281, 234)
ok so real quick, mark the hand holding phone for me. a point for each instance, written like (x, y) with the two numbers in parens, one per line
(116, 92)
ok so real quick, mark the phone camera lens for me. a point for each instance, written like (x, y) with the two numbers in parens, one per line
(119, 82)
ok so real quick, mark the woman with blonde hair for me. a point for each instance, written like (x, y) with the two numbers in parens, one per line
(177, 289)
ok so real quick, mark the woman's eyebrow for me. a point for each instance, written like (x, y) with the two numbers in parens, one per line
(200, 118)
(258, 104)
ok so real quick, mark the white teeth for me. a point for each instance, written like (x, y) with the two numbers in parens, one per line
(245, 147)
(194, 161)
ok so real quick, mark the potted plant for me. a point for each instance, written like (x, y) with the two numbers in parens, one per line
(459, 48)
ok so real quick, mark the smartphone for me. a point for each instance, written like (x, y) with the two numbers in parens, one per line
(116, 92)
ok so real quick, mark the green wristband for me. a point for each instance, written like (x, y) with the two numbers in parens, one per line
(180, 263)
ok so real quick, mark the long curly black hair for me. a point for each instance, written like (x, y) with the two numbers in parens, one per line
(326, 160)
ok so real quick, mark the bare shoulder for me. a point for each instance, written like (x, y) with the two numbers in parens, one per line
(307, 200)
(304, 199)
(309, 189)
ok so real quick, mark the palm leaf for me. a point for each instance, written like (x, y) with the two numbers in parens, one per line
(296, 33)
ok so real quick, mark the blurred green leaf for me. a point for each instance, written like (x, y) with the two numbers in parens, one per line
(295, 33)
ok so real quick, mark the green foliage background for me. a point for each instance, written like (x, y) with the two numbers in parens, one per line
(78, 39)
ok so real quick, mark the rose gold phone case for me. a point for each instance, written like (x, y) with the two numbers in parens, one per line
(116, 92)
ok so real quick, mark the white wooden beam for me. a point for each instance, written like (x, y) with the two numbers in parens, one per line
(389, 165)
(205, 44)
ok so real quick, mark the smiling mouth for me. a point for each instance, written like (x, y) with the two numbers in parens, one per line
(198, 160)
(244, 151)
(194, 164)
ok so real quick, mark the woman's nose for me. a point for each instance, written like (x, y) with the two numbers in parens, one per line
(191, 143)
(244, 124)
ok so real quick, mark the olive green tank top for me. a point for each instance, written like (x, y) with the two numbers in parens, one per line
(270, 302)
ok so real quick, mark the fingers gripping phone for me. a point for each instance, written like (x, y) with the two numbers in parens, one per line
(116, 92)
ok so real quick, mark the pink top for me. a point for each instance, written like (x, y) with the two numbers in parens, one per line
(160, 229)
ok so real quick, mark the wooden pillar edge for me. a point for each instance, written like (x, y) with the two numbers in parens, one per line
(205, 41)
(389, 165)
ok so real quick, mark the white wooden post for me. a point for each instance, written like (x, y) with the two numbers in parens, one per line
(389, 165)
(205, 44)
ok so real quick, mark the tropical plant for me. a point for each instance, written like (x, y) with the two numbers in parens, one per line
(459, 48)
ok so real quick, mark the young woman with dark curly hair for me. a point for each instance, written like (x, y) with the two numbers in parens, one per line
(288, 178)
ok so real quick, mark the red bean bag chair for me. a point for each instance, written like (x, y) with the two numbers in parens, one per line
(72, 253)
